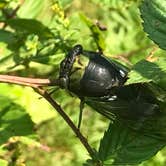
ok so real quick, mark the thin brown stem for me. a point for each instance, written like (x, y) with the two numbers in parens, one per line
(37, 84)
(18, 82)
(83, 140)
(28, 81)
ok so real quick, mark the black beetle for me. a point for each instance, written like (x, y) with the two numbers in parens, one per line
(92, 77)
(99, 82)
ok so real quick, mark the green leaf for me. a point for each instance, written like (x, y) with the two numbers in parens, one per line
(3, 162)
(37, 9)
(96, 32)
(65, 3)
(38, 109)
(3, 4)
(31, 8)
(54, 59)
(14, 121)
(145, 71)
(92, 163)
(6, 36)
(122, 146)
(30, 26)
(153, 13)
(113, 4)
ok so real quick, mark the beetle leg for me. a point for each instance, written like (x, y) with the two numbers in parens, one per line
(81, 111)
(53, 90)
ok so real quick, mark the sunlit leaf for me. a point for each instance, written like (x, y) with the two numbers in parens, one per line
(38, 109)
(14, 120)
(6, 36)
(30, 26)
(31, 8)
(145, 71)
(3, 162)
(153, 13)
(122, 146)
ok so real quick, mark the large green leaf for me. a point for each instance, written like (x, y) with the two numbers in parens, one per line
(145, 71)
(153, 13)
(37, 9)
(30, 26)
(31, 8)
(38, 108)
(122, 146)
(6, 36)
(14, 120)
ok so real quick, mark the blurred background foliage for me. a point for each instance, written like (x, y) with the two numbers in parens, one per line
(35, 35)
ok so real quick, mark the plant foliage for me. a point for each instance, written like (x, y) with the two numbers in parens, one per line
(154, 17)
(35, 36)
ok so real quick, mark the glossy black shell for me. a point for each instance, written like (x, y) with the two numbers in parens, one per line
(101, 86)
(99, 77)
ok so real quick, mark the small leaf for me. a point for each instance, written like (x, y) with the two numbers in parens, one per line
(96, 33)
(65, 3)
(53, 59)
(6, 36)
(30, 26)
(14, 121)
(145, 71)
(123, 146)
(153, 13)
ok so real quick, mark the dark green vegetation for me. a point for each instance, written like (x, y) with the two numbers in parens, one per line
(35, 36)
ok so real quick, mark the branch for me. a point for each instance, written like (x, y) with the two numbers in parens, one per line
(32, 82)
(83, 140)
(37, 84)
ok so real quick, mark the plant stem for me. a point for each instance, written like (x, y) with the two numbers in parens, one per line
(28, 81)
(37, 85)
(83, 140)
